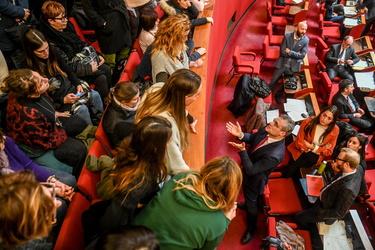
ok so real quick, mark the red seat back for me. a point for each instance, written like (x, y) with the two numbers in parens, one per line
(71, 235)
(133, 61)
(137, 47)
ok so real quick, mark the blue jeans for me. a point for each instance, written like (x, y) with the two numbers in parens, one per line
(96, 102)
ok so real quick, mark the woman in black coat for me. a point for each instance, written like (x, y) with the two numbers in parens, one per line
(55, 25)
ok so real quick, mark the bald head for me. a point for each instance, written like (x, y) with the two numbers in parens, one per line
(301, 29)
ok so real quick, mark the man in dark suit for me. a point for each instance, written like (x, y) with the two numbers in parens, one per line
(339, 59)
(292, 51)
(266, 151)
(349, 108)
(369, 7)
(336, 197)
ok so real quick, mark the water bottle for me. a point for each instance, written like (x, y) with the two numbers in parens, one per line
(322, 167)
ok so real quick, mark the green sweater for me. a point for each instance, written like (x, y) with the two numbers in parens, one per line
(181, 219)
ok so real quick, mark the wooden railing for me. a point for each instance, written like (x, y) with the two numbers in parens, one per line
(226, 14)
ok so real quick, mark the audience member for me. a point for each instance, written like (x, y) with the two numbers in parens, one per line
(3, 68)
(331, 15)
(349, 108)
(26, 212)
(139, 169)
(315, 140)
(128, 237)
(173, 7)
(266, 151)
(55, 25)
(339, 59)
(292, 51)
(11, 12)
(118, 119)
(193, 209)
(369, 7)
(336, 197)
(149, 22)
(112, 28)
(33, 121)
(356, 142)
(168, 50)
(170, 100)
(41, 56)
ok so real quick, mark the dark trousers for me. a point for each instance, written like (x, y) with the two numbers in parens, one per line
(340, 71)
(251, 201)
(276, 77)
(362, 123)
(101, 79)
(73, 153)
(305, 160)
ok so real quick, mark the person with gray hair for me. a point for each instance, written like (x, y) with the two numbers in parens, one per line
(336, 197)
(266, 151)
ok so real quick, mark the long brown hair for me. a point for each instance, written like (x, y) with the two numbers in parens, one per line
(141, 159)
(32, 40)
(170, 37)
(26, 211)
(122, 91)
(171, 97)
(218, 183)
(316, 120)
(21, 83)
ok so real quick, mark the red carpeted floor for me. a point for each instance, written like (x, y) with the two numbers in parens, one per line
(249, 36)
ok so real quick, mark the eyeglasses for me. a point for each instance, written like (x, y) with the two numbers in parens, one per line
(49, 186)
(64, 18)
(276, 124)
(338, 159)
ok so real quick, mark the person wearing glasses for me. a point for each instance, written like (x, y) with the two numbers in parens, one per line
(266, 151)
(316, 139)
(340, 58)
(26, 212)
(55, 26)
(336, 197)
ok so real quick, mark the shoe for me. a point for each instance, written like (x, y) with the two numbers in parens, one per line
(241, 205)
(247, 237)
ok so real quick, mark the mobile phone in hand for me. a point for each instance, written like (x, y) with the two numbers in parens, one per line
(79, 94)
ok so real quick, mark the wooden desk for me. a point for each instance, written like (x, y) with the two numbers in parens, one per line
(311, 103)
(362, 44)
(357, 20)
(307, 88)
(367, 62)
(353, 217)
(294, 9)
(372, 113)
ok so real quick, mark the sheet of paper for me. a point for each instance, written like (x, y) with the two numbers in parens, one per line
(272, 114)
(350, 21)
(350, 10)
(297, 1)
(334, 236)
(370, 102)
(361, 64)
(365, 79)
(314, 184)
(296, 129)
(297, 115)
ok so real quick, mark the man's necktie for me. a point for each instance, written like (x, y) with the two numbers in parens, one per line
(350, 104)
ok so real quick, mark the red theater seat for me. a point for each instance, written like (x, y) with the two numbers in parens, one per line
(133, 61)
(103, 138)
(304, 233)
(281, 198)
(71, 235)
(269, 54)
(370, 181)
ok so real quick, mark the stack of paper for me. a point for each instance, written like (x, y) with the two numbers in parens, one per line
(296, 109)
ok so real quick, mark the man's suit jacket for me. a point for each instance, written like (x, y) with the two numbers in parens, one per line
(333, 55)
(259, 164)
(341, 103)
(297, 52)
(336, 199)
(370, 4)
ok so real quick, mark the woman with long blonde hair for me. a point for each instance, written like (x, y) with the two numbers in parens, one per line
(194, 209)
(170, 101)
(168, 52)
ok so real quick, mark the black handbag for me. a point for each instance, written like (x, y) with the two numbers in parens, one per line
(87, 56)
(16, 32)
(260, 87)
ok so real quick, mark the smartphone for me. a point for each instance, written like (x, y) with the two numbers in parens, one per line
(79, 94)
